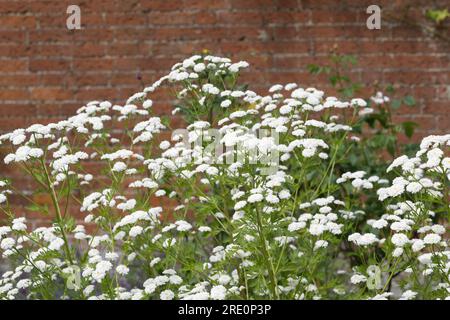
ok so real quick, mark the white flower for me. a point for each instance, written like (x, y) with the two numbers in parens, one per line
(154, 262)
(160, 193)
(400, 226)
(425, 258)
(432, 238)
(379, 224)
(175, 279)
(434, 158)
(218, 292)
(4, 230)
(285, 109)
(379, 98)
(382, 296)
(111, 256)
(408, 295)
(316, 229)
(294, 226)
(135, 231)
(199, 67)
(161, 280)
(125, 206)
(397, 252)
(255, 198)
(103, 266)
(56, 244)
(7, 243)
(290, 86)
(225, 103)
(320, 244)
(204, 229)
(284, 194)
(399, 239)
(414, 187)
(276, 87)
(101, 269)
(183, 225)
(239, 205)
(417, 245)
(238, 114)
(119, 166)
(363, 240)
(19, 225)
(397, 162)
(224, 279)
(358, 278)
(18, 139)
(359, 102)
(147, 104)
(239, 65)
(164, 145)
(23, 284)
(271, 198)
(122, 269)
(167, 295)
(437, 228)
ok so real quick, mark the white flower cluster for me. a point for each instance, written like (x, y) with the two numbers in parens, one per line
(177, 219)
(418, 174)
(359, 182)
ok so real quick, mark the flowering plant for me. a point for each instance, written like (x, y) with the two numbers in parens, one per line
(256, 205)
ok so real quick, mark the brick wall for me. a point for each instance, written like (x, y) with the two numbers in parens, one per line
(47, 71)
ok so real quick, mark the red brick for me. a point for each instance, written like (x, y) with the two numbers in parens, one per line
(437, 107)
(18, 110)
(49, 65)
(90, 64)
(13, 65)
(327, 17)
(17, 22)
(247, 18)
(47, 93)
(14, 94)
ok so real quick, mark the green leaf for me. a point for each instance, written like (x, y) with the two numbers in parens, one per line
(437, 16)
(348, 92)
(409, 101)
(165, 120)
(382, 118)
(395, 104)
(334, 80)
(390, 89)
(409, 127)
(370, 121)
(353, 60)
(314, 68)
(37, 208)
(345, 78)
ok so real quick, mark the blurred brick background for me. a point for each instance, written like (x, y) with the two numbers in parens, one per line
(47, 71)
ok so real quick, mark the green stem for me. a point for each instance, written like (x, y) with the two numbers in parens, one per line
(268, 259)
(58, 212)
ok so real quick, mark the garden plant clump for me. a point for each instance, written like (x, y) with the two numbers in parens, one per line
(268, 200)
